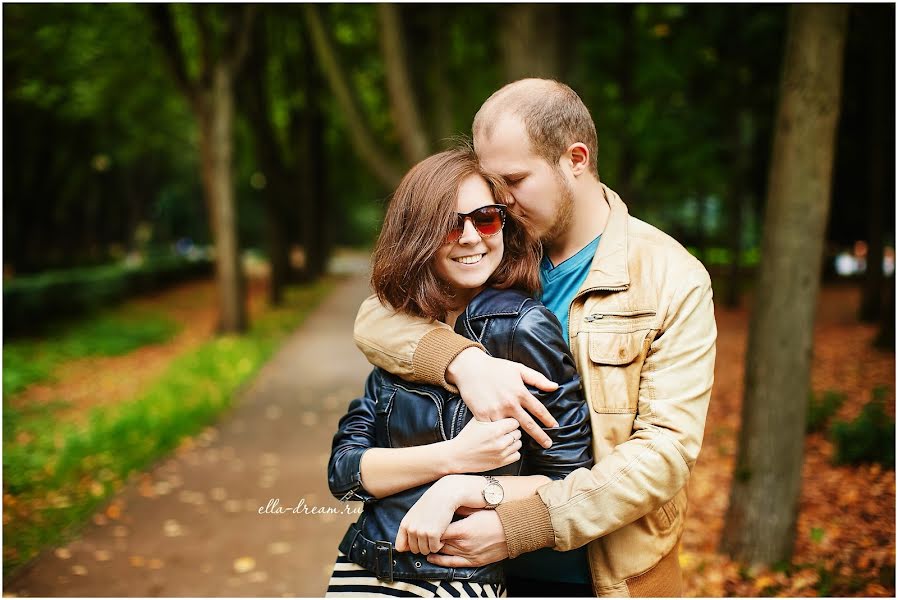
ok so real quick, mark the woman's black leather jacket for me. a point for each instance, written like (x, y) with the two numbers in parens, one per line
(394, 413)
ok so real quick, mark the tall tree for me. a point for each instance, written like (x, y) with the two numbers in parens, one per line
(222, 45)
(879, 25)
(530, 37)
(760, 521)
(367, 148)
(404, 108)
(271, 157)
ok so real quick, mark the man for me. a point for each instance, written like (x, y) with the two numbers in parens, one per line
(637, 309)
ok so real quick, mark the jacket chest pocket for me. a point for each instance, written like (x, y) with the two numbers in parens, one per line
(612, 349)
(415, 418)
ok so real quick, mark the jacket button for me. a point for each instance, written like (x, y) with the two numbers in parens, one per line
(621, 352)
(417, 564)
(394, 563)
(364, 552)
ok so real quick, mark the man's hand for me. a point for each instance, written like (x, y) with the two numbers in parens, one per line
(494, 388)
(423, 525)
(474, 541)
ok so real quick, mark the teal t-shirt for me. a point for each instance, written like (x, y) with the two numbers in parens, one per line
(560, 284)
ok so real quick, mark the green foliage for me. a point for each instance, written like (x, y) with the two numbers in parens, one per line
(821, 409)
(100, 134)
(30, 361)
(868, 438)
(817, 534)
(30, 302)
(65, 471)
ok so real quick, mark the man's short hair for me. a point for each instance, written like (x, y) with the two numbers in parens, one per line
(553, 115)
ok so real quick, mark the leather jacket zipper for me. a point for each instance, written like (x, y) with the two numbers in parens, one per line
(435, 401)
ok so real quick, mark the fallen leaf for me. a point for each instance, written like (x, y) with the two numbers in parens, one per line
(244, 564)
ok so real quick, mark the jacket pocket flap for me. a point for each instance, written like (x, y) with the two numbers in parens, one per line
(615, 348)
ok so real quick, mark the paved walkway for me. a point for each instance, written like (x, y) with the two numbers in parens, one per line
(191, 525)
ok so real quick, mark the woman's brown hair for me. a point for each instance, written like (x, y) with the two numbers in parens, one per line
(418, 219)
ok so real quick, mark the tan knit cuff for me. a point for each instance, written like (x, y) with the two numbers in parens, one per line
(433, 354)
(527, 525)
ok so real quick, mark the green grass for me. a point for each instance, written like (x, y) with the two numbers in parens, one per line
(29, 361)
(821, 409)
(63, 473)
(869, 438)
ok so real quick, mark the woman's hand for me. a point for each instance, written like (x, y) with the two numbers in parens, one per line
(484, 446)
(423, 526)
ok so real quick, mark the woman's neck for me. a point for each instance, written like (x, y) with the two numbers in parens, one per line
(464, 297)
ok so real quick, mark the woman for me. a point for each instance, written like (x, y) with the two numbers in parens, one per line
(449, 250)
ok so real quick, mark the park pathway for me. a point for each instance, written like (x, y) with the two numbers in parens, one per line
(190, 526)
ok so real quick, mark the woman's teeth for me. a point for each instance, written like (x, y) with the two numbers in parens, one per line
(469, 260)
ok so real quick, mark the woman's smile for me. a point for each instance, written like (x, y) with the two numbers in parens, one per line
(471, 259)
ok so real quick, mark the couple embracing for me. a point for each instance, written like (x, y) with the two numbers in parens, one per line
(544, 364)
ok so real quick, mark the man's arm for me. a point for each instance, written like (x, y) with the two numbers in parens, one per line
(428, 351)
(650, 467)
(638, 476)
(414, 348)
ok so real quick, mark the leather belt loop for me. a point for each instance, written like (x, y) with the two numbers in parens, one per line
(384, 560)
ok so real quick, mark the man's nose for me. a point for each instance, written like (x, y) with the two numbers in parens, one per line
(469, 233)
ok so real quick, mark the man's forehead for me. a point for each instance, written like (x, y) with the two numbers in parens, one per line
(504, 148)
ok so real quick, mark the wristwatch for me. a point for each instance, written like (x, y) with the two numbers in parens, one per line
(493, 493)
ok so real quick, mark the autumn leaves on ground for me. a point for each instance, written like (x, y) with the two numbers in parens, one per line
(845, 544)
(846, 528)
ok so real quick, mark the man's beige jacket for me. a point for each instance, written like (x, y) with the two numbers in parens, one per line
(643, 335)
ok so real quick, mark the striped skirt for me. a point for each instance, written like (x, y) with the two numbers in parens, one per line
(349, 580)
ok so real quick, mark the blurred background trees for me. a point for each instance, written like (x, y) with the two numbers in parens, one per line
(109, 151)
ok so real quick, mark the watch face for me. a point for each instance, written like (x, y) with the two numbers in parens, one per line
(493, 493)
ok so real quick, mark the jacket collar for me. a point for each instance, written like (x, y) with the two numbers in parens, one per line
(609, 268)
(492, 302)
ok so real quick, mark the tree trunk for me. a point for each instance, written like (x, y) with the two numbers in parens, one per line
(739, 204)
(278, 249)
(360, 136)
(885, 339)
(216, 131)
(441, 97)
(268, 154)
(530, 41)
(760, 522)
(314, 220)
(879, 118)
(211, 98)
(403, 107)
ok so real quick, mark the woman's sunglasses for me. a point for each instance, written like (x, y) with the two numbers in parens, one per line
(487, 220)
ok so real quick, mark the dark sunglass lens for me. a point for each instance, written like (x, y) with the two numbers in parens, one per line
(488, 220)
(453, 234)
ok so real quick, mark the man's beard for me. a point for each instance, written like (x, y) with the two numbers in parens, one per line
(564, 214)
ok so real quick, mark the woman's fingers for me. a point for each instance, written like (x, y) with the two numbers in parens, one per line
(401, 540)
(413, 544)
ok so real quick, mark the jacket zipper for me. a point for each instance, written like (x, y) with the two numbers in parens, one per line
(349, 494)
(628, 315)
(618, 288)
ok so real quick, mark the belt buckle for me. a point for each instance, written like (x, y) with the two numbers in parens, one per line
(384, 560)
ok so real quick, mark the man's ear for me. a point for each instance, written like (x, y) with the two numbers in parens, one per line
(578, 154)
